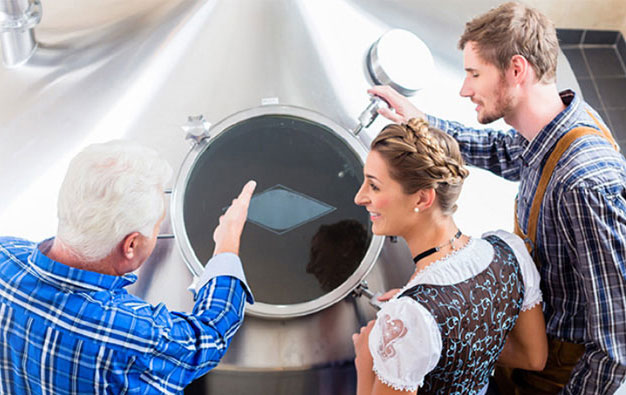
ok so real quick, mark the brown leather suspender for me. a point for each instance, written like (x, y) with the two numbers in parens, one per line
(562, 145)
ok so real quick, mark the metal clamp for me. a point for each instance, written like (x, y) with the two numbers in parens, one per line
(26, 20)
(197, 128)
(363, 290)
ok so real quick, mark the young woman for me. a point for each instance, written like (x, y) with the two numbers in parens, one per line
(471, 302)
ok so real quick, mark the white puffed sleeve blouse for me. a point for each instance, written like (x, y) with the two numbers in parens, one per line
(405, 342)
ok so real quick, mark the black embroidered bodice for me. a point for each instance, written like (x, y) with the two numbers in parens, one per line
(474, 317)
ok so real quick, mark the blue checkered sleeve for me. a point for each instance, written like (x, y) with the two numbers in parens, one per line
(494, 150)
(69, 331)
(598, 238)
(190, 345)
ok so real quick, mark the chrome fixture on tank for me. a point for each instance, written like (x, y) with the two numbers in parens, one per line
(17, 21)
(398, 59)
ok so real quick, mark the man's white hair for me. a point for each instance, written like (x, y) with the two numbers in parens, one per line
(110, 190)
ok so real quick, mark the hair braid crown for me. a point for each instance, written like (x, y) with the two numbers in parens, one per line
(443, 167)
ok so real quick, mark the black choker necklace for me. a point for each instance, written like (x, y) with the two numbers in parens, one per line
(436, 249)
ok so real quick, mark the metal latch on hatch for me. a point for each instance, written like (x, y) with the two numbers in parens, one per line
(363, 290)
(196, 128)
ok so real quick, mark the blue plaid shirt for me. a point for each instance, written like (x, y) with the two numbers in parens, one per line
(581, 236)
(70, 331)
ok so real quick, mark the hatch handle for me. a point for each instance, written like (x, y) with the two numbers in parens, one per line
(370, 113)
(363, 290)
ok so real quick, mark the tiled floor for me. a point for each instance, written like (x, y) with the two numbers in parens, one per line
(598, 59)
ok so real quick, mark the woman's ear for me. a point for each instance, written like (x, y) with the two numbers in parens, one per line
(425, 198)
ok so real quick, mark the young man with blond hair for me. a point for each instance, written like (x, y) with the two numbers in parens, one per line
(510, 55)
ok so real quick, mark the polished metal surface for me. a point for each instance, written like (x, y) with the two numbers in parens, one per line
(330, 380)
(139, 68)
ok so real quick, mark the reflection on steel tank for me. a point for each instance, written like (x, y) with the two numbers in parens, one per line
(336, 251)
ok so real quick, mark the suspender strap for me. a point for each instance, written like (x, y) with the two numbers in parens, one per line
(605, 131)
(562, 145)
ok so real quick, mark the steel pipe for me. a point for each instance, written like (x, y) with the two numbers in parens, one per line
(17, 21)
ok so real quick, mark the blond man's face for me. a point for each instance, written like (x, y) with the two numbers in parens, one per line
(485, 86)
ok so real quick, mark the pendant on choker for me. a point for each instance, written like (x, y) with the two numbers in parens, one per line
(436, 249)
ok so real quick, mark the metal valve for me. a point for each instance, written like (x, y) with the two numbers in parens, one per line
(370, 113)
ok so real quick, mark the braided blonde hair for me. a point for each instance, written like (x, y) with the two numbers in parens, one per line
(420, 156)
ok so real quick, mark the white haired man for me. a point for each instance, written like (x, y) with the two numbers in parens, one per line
(68, 326)
(577, 233)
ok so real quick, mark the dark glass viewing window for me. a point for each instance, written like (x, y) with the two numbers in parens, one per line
(304, 236)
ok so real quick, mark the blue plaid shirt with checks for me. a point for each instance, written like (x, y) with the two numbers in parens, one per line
(581, 237)
(70, 331)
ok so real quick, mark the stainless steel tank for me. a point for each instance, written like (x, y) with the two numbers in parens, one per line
(307, 249)
(293, 70)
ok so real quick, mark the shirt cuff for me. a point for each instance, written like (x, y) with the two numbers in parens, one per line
(224, 264)
(434, 121)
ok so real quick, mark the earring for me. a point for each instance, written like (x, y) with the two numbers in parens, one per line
(416, 209)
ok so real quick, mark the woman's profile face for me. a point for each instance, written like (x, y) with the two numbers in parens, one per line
(391, 209)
